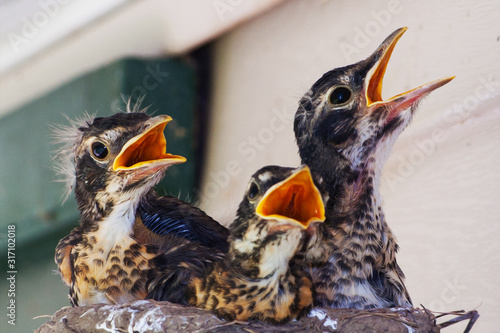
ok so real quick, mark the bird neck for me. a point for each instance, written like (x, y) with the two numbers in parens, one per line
(350, 187)
(265, 259)
(109, 218)
(362, 198)
(116, 228)
(360, 217)
(276, 254)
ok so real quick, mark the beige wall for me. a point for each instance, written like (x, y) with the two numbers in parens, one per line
(56, 41)
(441, 184)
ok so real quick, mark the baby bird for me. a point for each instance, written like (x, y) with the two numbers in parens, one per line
(126, 232)
(344, 131)
(263, 276)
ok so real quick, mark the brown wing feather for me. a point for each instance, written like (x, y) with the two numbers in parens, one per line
(63, 254)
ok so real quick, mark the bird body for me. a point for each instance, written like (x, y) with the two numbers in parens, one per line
(275, 297)
(127, 234)
(344, 131)
(263, 277)
(109, 268)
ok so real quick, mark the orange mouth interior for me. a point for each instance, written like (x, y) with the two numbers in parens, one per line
(374, 89)
(147, 148)
(296, 199)
(401, 101)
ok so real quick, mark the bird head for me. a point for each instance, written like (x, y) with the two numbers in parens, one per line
(279, 207)
(345, 115)
(117, 158)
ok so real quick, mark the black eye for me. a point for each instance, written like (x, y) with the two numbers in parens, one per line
(99, 150)
(253, 191)
(339, 95)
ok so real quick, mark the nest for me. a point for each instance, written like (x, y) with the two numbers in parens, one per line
(150, 316)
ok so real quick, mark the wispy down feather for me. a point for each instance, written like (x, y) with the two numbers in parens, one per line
(67, 137)
(136, 108)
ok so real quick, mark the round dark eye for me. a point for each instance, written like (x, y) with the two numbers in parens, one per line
(340, 95)
(253, 190)
(99, 150)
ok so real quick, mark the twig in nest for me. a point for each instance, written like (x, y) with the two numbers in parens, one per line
(42, 316)
(249, 330)
(226, 324)
(392, 316)
(461, 315)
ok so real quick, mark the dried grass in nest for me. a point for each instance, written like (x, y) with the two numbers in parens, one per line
(151, 316)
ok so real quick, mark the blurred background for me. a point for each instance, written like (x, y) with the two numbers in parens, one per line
(230, 73)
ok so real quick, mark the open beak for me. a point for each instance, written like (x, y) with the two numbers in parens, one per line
(400, 102)
(148, 149)
(295, 201)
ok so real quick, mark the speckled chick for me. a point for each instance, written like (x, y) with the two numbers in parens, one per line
(127, 234)
(263, 276)
(345, 131)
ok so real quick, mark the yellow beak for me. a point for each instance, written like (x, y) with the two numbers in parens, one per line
(148, 149)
